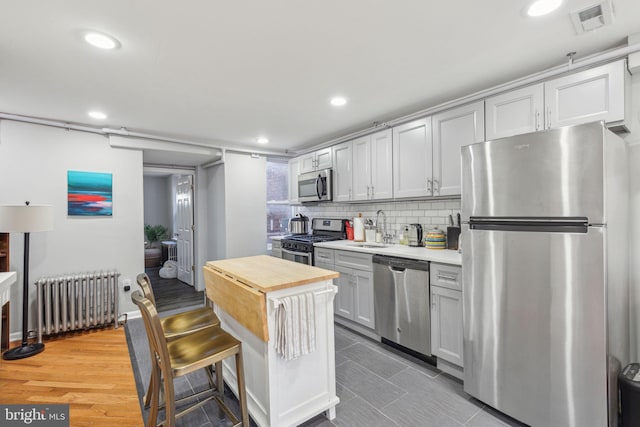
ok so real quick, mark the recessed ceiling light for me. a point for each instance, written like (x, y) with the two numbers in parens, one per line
(99, 115)
(542, 7)
(263, 140)
(338, 101)
(101, 40)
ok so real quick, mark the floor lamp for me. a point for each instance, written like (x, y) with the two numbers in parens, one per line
(25, 219)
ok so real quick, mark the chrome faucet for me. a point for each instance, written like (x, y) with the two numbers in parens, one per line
(386, 237)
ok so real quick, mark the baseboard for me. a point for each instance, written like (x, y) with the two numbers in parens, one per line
(451, 369)
(362, 330)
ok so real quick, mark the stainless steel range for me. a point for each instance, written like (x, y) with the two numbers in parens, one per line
(299, 247)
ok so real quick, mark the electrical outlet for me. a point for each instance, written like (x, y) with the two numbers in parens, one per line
(126, 284)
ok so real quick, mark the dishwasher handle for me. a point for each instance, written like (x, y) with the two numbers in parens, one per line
(401, 263)
(396, 268)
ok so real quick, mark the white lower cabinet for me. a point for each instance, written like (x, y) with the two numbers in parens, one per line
(276, 248)
(354, 300)
(446, 324)
(446, 317)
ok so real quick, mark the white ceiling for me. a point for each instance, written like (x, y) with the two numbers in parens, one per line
(226, 72)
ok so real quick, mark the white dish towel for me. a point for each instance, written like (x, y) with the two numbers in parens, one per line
(296, 326)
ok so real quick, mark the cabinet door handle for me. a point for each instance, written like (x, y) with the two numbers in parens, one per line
(372, 192)
(537, 119)
(367, 192)
(548, 117)
(429, 187)
(436, 187)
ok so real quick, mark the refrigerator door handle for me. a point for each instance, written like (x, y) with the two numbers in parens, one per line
(554, 225)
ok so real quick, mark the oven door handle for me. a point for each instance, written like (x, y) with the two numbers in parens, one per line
(304, 254)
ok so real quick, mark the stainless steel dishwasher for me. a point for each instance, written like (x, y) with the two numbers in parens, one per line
(401, 295)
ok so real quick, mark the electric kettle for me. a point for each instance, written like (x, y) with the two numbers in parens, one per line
(415, 235)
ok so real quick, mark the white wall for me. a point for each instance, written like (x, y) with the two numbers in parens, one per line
(34, 161)
(245, 205)
(237, 207)
(216, 230)
(158, 207)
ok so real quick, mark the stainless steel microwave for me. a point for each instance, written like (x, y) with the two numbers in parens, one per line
(315, 186)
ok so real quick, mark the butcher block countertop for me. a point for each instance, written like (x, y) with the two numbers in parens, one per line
(266, 273)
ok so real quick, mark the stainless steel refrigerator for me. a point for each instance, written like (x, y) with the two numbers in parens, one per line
(544, 258)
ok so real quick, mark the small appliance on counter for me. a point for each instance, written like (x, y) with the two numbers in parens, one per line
(415, 235)
(299, 224)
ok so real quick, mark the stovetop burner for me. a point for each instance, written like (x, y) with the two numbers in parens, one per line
(310, 238)
(324, 230)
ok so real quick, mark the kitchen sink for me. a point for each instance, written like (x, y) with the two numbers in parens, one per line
(369, 245)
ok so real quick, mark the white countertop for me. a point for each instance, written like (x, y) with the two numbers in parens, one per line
(444, 256)
(278, 237)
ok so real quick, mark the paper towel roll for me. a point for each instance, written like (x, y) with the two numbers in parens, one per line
(358, 229)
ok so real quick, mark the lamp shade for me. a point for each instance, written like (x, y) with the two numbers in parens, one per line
(26, 219)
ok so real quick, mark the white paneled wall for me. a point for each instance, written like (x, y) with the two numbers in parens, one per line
(428, 213)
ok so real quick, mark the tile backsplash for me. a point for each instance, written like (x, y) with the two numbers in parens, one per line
(428, 213)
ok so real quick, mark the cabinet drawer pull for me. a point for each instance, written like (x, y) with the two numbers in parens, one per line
(444, 276)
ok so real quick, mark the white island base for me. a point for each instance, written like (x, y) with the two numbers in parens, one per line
(287, 393)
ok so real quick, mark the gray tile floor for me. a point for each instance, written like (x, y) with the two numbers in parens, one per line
(379, 386)
(376, 384)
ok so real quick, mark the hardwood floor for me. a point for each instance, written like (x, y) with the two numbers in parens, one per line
(91, 371)
(171, 294)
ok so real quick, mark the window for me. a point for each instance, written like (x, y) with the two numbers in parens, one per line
(278, 208)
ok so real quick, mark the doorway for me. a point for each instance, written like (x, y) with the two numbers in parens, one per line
(169, 259)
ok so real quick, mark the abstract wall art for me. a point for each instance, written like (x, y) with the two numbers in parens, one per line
(89, 193)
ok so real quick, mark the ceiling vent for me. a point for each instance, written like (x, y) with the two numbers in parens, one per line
(592, 17)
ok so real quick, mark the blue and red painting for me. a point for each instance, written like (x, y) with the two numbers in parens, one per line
(89, 194)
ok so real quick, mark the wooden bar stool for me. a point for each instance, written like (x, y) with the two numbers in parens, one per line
(177, 325)
(187, 354)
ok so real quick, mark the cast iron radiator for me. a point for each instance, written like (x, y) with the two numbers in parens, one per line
(77, 302)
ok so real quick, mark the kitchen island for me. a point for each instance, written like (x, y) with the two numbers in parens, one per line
(246, 293)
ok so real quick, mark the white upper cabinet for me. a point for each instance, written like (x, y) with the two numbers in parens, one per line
(373, 166)
(294, 171)
(516, 112)
(361, 177)
(382, 165)
(321, 159)
(412, 151)
(342, 172)
(453, 129)
(587, 96)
